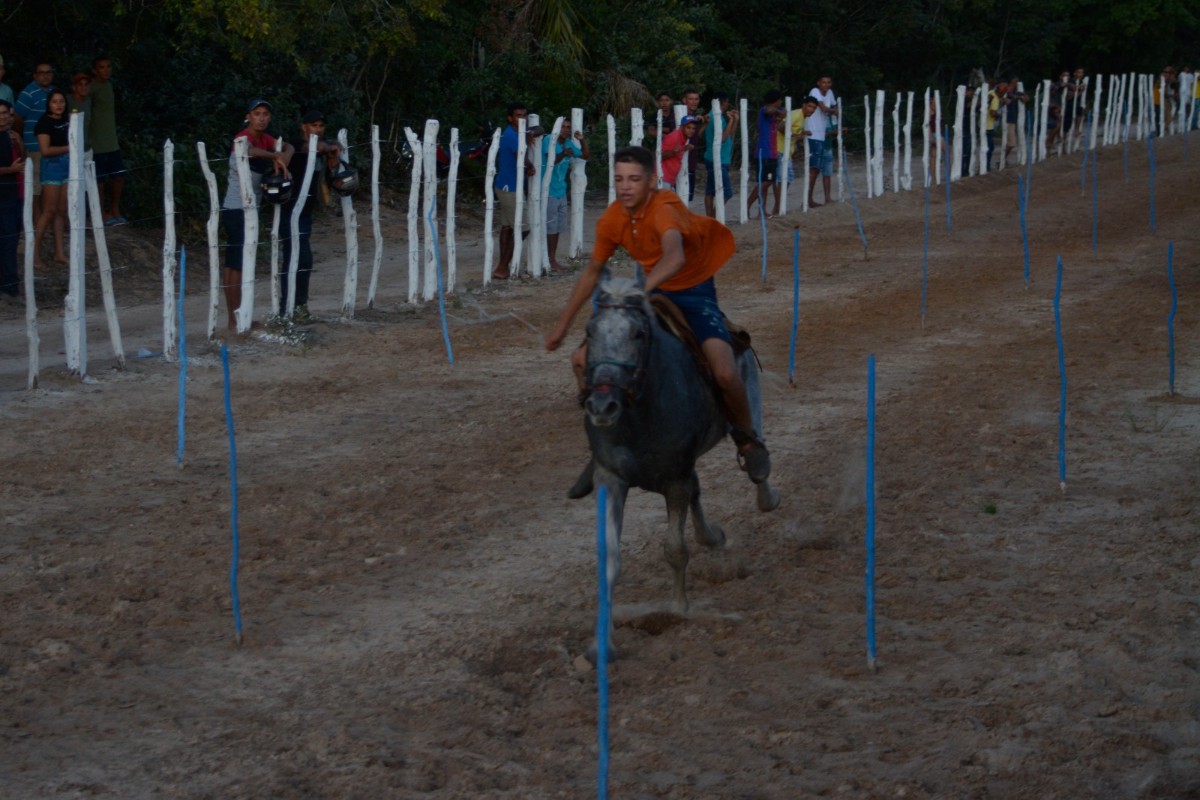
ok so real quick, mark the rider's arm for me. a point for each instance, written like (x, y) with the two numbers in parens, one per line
(671, 261)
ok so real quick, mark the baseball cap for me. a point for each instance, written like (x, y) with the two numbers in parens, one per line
(312, 116)
(258, 101)
(687, 120)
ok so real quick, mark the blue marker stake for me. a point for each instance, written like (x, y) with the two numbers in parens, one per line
(1153, 169)
(1083, 172)
(1024, 231)
(762, 217)
(1095, 207)
(854, 202)
(1125, 126)
(1062, 394)
(1031, 150)
(602, 625)
(795, 304)
(233, 483)
(441, 291)
(182, 355)
(1171, 317)
(925, 256)
(870, 579)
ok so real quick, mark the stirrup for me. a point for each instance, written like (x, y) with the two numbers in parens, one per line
(752, 455)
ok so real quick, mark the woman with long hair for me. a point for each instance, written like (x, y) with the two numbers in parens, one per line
(52, 130)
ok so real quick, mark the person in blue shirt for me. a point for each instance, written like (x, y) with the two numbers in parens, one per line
(729, 123)
(506, 187)
(558, 206)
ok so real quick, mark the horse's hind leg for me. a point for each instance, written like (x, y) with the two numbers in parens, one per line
(707, 534)
(674, 547)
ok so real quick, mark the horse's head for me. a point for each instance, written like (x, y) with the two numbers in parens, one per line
(618, 335)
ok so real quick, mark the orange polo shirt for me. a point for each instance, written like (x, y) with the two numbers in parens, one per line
(707, 244)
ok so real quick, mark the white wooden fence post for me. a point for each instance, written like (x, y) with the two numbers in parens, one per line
(925, 176)
(637, 126)
(429, 154)
(293, 265)
(896, 145)
(414, 214)
(75, 318)
(1095, 111)
(956, 151)
(544, 191)
(579, 186)
(658, 137)
(350, 225)
(31, 331)
(211, 228)
(973, 129)
(170, 331)
(376, 230)
(785, 157)
(518, 222)
(907, 179)
(744, 178)
(985, 121)
(877, 153)
(537, 214)
(612, 147)
(451, 220)
(939, 137)
(245, 311)
(868, 121)
(681, 179)
(489, 207)
(106, 282)
(1044, 120)
(718, 123)
(276, 269)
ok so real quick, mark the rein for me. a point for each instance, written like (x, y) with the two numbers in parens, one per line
(635, 371)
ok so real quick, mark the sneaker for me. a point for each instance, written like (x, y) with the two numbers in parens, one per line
(301, 314)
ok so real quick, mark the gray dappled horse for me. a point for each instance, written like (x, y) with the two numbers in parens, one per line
(650, 415)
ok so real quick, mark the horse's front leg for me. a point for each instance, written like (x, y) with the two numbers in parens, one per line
(766, 496)
(706, 533)
(678, 496)
(614, 515)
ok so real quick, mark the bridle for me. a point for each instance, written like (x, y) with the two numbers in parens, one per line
(633, 374)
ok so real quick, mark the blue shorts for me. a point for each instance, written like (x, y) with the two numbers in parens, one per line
(710, 183)
(55, 169)
(700, 309)
(820, 156)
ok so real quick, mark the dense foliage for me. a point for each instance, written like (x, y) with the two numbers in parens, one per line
(184, 69)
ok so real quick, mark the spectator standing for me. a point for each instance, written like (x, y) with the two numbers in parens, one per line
(675, 148)
(80, 102)
(311, 124)
(110, 167)
(263, 159)
(667, 106)
(729, 122)
(53, 143)
(12, 171)
(6, 92)
(691, 99)
(1054, 118)
(507, 176)
(993, 119)
(29, 108)
(766, 150)
(558, 206)
(823, 126)
(794, 128)
(1013, 99)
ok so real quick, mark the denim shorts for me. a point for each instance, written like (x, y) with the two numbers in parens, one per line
(55, 169)
(820, 156)
(710, 183)
(700, 309)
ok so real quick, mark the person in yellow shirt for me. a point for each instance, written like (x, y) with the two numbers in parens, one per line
(795, 128)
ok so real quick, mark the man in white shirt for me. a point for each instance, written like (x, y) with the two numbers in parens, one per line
(823, 126)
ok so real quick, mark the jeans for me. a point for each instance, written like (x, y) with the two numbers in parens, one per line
(10, 235)
(305, 260)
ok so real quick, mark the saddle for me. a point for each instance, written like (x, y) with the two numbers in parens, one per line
(671, 318)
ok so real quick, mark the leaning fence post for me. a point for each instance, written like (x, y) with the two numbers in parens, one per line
(293, 265)
(350, 224)
(106, 284)
(214, 258)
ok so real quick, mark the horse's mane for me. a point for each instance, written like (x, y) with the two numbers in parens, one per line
(622, 290)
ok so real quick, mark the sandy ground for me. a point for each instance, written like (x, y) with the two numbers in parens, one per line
(416, 589)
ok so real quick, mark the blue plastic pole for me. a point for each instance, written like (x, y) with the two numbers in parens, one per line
(870, 577)
(1083, 171)
(1171, 316)
(1024, 230)
(182, 356)
(233, 513)
(1095, 206)
(854, 202)
(762, 218)
(946, 152)
(602, 626)
(925, 254)
(441, 290)
(1153, 169)
(1062, 371)
(795, 304)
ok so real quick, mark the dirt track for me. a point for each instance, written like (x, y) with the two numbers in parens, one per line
(416, 589)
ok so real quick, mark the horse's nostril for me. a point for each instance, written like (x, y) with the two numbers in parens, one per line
(602, 407)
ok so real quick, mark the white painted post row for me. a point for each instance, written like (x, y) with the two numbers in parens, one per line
(170, 332)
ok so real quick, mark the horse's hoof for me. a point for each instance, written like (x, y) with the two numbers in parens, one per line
(583, 484)
(767, 497)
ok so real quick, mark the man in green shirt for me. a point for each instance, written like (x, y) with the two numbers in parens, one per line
(110, 167)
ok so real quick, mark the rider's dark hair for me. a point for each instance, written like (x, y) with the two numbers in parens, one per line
(635, 155)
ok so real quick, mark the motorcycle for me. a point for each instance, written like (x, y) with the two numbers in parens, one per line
(469, 150)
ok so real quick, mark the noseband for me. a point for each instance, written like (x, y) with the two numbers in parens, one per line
(633, 374)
